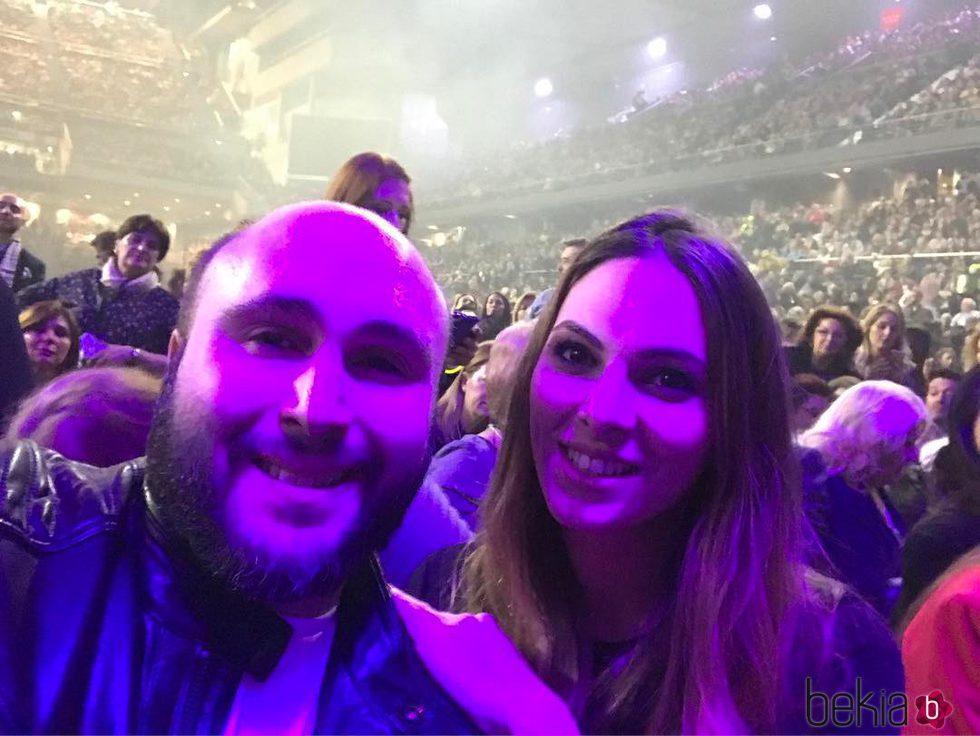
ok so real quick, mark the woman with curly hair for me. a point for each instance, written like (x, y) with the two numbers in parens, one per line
(826, 350)
(865, 439)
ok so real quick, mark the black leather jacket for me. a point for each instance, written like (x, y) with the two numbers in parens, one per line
(106, 627)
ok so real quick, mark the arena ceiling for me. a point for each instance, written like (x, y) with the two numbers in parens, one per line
(570, 40)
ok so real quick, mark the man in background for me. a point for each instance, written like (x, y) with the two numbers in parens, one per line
(19, 268)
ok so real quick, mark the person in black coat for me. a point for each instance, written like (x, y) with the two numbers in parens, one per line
(19, 268)
(15, 377)
(953, 528)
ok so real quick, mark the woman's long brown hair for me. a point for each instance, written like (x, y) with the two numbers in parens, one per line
(718, 648)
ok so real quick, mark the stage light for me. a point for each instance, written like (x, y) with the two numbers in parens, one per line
(657, 48)
(543, 87)
(762, 11)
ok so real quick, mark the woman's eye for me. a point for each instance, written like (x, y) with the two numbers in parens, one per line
(671, 384)
(573, 355)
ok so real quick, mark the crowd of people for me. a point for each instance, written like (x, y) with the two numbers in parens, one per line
(818, 102)
(612, 472)
(953, 100)
(98, 74)
(110, 29)
(101, 54)
(779, 466)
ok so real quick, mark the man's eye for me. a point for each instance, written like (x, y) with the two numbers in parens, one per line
(381, 367)
(273, 343)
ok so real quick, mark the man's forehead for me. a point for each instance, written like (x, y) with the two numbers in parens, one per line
(324, 255)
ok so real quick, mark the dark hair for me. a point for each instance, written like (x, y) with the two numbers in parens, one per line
(920, 343)
(958, 470)
(574, 243)
(948, 373)
(140, 223)
(722, 636)
(491, 325)
(104, 242)
(854, 333)
(41, 312)
(360, 176)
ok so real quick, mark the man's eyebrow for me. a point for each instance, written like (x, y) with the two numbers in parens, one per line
(395, 333)
(286, 309)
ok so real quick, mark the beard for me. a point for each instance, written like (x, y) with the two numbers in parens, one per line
(190, 506)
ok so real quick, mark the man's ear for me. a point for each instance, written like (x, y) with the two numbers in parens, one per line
(175, 345)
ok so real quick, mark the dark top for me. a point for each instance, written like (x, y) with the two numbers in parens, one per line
(864, 551)
(931, 547)
(29, 269)
(15, 375)
(799, 359)
(142, 319)
(855, 650)
(910, 495)
(108, 624)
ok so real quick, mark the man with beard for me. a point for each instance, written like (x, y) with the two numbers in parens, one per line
(18, 267)
(229, 585)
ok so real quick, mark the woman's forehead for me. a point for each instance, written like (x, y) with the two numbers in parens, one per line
(643, 302)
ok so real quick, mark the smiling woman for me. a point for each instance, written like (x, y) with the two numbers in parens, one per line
(648, 435)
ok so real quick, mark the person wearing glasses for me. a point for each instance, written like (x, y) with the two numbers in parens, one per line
(125, 315)
(19, 268)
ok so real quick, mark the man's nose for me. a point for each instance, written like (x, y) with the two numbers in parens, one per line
(318, 408)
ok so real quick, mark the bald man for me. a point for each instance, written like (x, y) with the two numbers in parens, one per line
(18, 267)
(229, 583)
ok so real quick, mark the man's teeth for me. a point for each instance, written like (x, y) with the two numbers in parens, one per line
(597, 466)
(305, 481)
